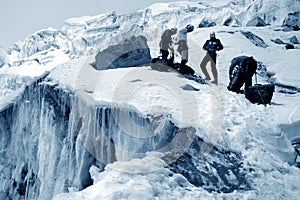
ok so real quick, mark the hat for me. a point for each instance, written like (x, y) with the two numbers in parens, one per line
(189, 28)
(173, 30)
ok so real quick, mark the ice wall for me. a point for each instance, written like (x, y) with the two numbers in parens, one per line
(50, 138)
(271, 11)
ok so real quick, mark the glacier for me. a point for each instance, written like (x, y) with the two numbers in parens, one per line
(28, 126)
(69, 131)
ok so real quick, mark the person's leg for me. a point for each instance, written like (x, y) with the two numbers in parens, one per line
(203, 64)
(183, 62)
(214, 68)
(184, 57)
(165, 54)
(248, 80)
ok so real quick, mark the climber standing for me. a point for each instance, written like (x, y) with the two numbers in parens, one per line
(166, 42)
(182, 43)
(211, 46)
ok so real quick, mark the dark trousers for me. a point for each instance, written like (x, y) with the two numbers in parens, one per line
(164, 54)
(183, 51)
(212, 58)
(248, 79)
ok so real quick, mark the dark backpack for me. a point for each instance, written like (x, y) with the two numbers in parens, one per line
(260, 94)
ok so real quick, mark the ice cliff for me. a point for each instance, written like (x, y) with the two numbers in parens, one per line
(48, 140)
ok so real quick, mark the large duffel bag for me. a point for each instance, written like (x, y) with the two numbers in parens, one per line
(163, 65)
(261, 94)
(184, 69)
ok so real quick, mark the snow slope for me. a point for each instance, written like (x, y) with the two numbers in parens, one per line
(260, 136)
(221, 117)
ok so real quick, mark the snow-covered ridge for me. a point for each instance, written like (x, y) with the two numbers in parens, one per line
(83, 35)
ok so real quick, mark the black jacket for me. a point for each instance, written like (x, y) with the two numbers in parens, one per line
(248, 67)
(236, 61)
(212, 45)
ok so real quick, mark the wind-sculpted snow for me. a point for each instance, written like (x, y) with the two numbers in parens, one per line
(82, 36)
(44, 40)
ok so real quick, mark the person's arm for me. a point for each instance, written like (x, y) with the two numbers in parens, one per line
(171, 46)
(219, 45)
(234, 62)
(248, 78)
(231, 67)
(205, 46)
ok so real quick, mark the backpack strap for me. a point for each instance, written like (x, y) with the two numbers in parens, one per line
(255, 77)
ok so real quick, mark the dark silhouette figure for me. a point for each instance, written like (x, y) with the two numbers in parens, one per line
(241, 70)
(211, 46)
(166, 42)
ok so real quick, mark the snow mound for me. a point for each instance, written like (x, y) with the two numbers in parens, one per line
(44, 40)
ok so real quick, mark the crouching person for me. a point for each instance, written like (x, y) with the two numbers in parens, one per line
(241, 70)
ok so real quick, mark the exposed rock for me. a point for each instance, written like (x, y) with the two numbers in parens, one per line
(206, 23)
(230, 173)
(189, 87)
(294, 40)
(133, 52)
(278, 41)
(289, 46)
(256, 21)
(228, 21)
(231, 21)
(257, 41)
(292, 21)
